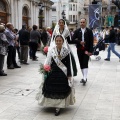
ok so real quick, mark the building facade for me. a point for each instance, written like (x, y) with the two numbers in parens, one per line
(108, 12)
(20, 12)
(71, 9)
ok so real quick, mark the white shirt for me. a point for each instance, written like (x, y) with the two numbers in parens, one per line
(83, 31)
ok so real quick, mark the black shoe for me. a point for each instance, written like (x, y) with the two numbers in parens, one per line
(10, 67)
(36, 56)
(35, 59)
(3, 74)
(17, 66)
(57, 111)
(84, 81)
(81, 81)
(107, 59)
(25, 63)
(21, 61)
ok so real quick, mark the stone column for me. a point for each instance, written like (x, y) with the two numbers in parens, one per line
(37, 14)
(19, 12)
(50, 17)
(45, 16)
(31, 10)
(33, 13)
(12, 12)
(16, 14)
(46, 22)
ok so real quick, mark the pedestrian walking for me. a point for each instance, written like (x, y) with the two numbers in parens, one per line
(112, 43)
(44, 36)
(83, 38)
(55, 90)
(34, 41)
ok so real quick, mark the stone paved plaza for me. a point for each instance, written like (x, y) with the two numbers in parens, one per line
(98, 100)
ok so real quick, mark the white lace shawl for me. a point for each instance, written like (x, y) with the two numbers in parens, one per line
(54, 54)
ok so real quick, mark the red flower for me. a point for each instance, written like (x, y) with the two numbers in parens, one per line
(47, 68)
(45, 49)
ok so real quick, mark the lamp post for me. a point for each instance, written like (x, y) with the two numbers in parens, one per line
(41, 7)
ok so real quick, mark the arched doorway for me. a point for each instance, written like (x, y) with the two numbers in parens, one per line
(3, 13)
(25, 15)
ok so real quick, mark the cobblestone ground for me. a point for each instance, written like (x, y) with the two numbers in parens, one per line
(98, 100)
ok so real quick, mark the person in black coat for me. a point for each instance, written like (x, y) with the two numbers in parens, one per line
(83, 38)
(44, 37)
(24, 38)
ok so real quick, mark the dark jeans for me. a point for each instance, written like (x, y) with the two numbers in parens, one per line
(33, 46)
(11, 58)
(1, 62)
(83, 59)
(112, 48)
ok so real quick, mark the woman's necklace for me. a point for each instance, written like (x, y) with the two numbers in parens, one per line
(61, 31)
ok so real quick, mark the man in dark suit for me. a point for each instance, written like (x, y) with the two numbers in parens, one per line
(83, 38)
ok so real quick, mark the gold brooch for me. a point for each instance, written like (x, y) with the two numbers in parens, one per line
(59, 56)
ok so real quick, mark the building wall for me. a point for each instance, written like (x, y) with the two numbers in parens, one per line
(14, 12)
(65, 5)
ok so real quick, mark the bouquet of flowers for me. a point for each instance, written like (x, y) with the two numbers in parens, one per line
(45, 70)
(45, 50)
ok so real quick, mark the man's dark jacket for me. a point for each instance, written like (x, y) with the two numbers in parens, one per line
(88, 38)
(112, 36)
(24, 37)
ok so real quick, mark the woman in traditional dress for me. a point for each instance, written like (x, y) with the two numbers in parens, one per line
(62, 29)
(55, 91)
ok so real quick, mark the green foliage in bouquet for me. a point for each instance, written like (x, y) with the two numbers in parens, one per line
(43, 71)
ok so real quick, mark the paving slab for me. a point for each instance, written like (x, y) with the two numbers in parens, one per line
(98, 100)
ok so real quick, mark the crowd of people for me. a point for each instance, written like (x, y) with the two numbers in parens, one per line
(24, 41)
(57, 86)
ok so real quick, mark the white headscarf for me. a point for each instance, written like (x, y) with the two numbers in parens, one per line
(56, 32)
